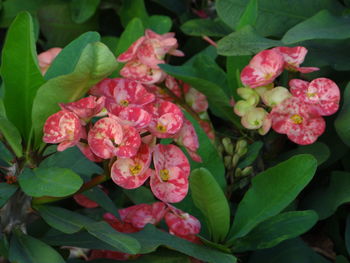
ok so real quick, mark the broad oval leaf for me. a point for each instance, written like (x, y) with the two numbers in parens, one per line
(11, 135)
(27, 249)
(276, 229)
(272, 191)
(342, 122)
(51, 181)
(6, 191)
(20, 72)
(211, 201)
(249, 15)
(205, 27)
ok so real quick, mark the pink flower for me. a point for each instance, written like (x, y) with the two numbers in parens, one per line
(85, 108)
(46, 58)
(167, 118)
(293, 57)
(118, 225)
(131, 172)
(262, 69)
(169, 183)
(322, 94)
(182, 224)
(197, 100)
(300, 122)
(84, 201)
(64, 128)
(85, 149)
(173, 86)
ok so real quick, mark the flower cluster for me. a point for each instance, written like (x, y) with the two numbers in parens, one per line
(296, 112)
(124, 119)
(135, 218)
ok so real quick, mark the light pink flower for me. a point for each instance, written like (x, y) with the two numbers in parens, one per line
(131, 172)
(46, 58)
(197, 100)
(293, 57)
(322, 94)
(262, 69)
(85, 149)
(173, 86)
(300, 122)
(64, 128)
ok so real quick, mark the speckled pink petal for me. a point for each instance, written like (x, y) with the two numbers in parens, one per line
(135, 70)
(308, 132)
(307, 69)
(130, 53)
(172, 190)
(104, 88)
(84, 201)
(135, 116)
(197, 100)
(85, 108)
(298, 87)
(104, 137)
(169, 155)
(147, 54)
(131, 173)
(118, 225)
(181, 223)
(173, 85)
(262, 69)
(130, 144)
(62, 127)
(85, 149)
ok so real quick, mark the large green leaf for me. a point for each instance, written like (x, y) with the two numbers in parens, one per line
(96, 62)
(290, 251)
(274, 16)
(205, 27)
(51, 181)
(133, 9)
(251, 155)
(347, 234)
(276, 229)
(82, 10)
(245, 42)
(249, 15)
(11, 135)
(325, 200)
(107, 234)
(6, 191)
(20, 73)
(68, 58)
(272, 191)
(211, 201)
(342, 122)
(26, 249)
(160, 24)
(323, 25)
(234, 66)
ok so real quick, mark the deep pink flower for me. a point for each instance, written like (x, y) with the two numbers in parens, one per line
(262, 69)
(85, 108)
(293, 57)
(167, 118)
(131, 172)
(64, 128)
(85, 149)
(109, 254)
(322, 93)
(119, 225)
(46, 58)
(300, 122)
(173, 86)
(131, 52)
(85, 201)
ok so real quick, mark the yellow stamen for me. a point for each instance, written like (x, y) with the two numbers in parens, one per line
(297, 119)
(164, 175)
(161, 127)
(124, 103)
(136, 169)
(310, 95)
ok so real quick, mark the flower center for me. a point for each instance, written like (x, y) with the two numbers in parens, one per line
(161, 128)
(124, 103)
(311, 94)
(136, 169)
(268, 76)
(164, 175)
(297, 119)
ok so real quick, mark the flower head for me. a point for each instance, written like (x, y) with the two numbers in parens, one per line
(46, 58)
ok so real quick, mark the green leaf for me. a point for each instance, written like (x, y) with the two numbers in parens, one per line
(341, 259)
(73, 159)
(274, 16)
(132, 9)
(62, 219)
(95, 63)
(211, 201)
(106, 233)
(342, 122)
(6, 191)
(326, 200)
(249, 15)
(11, 135)
(82, 10)
(347, 234)
(290, 251)
(160, 24)
(68, 58)
(245, 42)
(276, 229)
(251, 155)
(272, 191)
(323, 25)
(205, 27)
(140, 195)
(26, 249)
(19, 59)
(51, 181)
(99, 196)
(110, 42)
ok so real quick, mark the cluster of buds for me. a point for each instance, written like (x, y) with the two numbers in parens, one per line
(296, 112)
(135, 218)
(123, 120)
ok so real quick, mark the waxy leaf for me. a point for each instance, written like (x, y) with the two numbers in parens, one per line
(272, 191)
(211, 201)
(342, 122)
(6, 191)
(82, 10)
(249, 15)
(27, 249)
(12, 135)
(51, 181)
(20, 73)
(205, 27)
(276, 229)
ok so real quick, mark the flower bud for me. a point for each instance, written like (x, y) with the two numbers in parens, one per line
(235, 160)
(275, 96)
(238, 172)
(254, 118)
(266, 126)
(228, 146)
(248, 93)
(227, 162)
(261, 90)
(247, 171)
(241, 144)
(242, 107)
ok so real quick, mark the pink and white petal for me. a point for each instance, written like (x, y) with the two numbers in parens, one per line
(298, 87)
(293, 56)
(307, 69)
(130, 53)
(135, 116)
(187, 136)
(141, 72)
(85, 149)
(84, 201)
(158, 211)
(307, 133)
(130, 143)
(182, 224)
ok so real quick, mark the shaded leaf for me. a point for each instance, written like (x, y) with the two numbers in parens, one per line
(11, 135)
(82, 10)
(251, 155)
(342, 122)
(249, 15)
(205, 27)
(6, 191)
